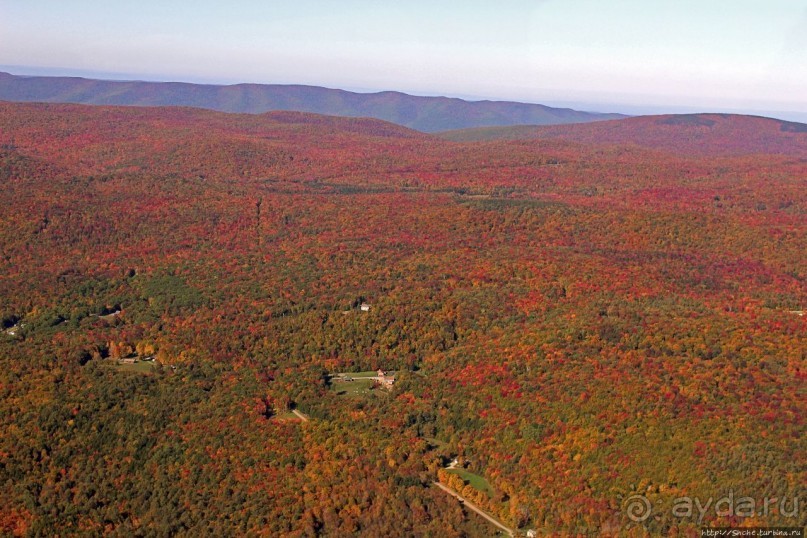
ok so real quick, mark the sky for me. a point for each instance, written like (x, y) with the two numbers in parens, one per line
(634, 56)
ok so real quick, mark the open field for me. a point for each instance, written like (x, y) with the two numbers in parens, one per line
(359, 387)
(357, 375)
(142, 367)
(355, 383)
(475, 480)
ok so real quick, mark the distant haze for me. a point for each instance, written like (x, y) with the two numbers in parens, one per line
(429, 114)
(661, 56)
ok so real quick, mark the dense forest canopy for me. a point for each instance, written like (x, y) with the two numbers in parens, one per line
(578, 320)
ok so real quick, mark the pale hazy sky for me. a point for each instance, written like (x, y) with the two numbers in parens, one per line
(708, 54)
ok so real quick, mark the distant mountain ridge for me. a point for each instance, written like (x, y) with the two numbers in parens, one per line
(427, 114)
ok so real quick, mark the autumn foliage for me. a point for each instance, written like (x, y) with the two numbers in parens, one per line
(581, 317)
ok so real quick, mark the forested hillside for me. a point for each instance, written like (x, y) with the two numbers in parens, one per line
(577, 320)
(685, 134)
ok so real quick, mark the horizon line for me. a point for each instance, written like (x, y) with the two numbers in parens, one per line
(594, 106)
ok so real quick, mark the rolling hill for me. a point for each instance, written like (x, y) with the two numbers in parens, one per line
(694, 134)
(578, 324)
(428, 114)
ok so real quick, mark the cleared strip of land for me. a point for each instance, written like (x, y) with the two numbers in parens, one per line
(476, 509)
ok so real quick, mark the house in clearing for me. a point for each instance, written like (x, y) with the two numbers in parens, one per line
(364, 307)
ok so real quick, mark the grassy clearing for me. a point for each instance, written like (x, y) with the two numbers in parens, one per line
(141, 367)
(359, 375)
(359, 384)
(474, 480)
(286, 415)
(358, 387)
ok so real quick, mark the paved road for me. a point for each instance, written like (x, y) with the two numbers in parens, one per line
(476, 509)
(300, 415)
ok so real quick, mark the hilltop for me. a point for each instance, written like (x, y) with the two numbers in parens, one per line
(428, 114)
(688, 134)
